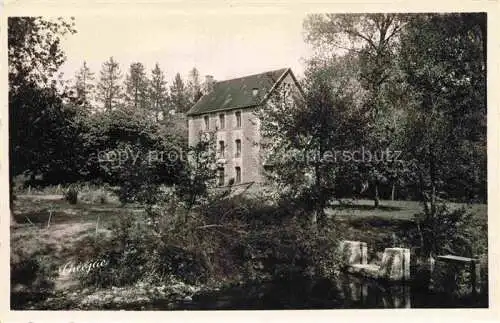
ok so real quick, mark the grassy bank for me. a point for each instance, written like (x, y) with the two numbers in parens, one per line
(54, 232)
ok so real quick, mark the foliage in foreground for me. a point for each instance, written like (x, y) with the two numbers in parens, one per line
(247, 242)
(31, 272)
(441, 230)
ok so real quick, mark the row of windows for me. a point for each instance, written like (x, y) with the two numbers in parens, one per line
(222, 120)
(237, 180)
(222, 148)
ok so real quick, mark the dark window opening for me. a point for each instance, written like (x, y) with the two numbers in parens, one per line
(221, 149)
(238, 148)
(207, 122)
(238, 119)
(238, 174)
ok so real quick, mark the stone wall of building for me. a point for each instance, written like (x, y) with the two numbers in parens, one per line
(248, 134)
(249, 161)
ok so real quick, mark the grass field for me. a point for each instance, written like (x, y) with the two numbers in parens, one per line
(395, 210)
(49, 227)
(357, 220)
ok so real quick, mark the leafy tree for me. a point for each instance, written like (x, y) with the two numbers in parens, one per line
(449, 83)
(50, 147)
(443, 58)
(136, 87)
(34, 56)
(109, 90)
(373, 37)
(84, 86)
(135, 154)
(158, 92)
(34, 49)
(179, 96)
(301, 131)
(200, 172)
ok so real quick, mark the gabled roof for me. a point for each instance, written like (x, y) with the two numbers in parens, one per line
(237, 93)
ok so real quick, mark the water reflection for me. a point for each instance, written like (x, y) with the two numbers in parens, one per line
(348, 291)
(358, 292)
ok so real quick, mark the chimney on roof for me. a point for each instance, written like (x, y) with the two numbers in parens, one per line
(209, 84)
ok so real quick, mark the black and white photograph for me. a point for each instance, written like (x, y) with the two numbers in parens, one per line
(250, 161)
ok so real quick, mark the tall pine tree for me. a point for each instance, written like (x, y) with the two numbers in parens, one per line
(179, 96)
(84, 86)
(158, 94)
(136, 87)
(109, 91)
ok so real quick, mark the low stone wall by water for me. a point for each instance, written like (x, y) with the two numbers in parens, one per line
(395, 264)
(454, 275)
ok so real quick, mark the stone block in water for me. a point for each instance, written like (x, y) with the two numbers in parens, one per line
(353, 252)
(365, 270)
(395, 264)
(454, 275)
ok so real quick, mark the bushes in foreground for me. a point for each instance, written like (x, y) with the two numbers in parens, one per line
(444, 230)
(31, 273)
(247, 241)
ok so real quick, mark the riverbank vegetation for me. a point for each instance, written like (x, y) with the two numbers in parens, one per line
(250, 243)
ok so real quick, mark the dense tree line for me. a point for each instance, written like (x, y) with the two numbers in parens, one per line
(410, 83)
(116, 128)
(138, 90)
(414, 84)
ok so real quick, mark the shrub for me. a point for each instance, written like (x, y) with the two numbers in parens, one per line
(231, 239)
(254, 212)
(33, 273)
(71, 195)
(291, 249)
(138, 251)
(277, 240)
(448, 231)
(101, 194)
(31, 277)
(125, 253)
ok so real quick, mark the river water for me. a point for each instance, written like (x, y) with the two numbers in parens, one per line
(347, 292)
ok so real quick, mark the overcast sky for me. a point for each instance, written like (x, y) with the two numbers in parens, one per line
(225, 46)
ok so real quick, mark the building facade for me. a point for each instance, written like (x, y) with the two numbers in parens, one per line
(227, 111)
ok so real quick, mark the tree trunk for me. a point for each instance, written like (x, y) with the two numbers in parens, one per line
(314, 218)
(393, 191)
(376, 199)
(316, 215)
(432, 173)
(12, 197)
